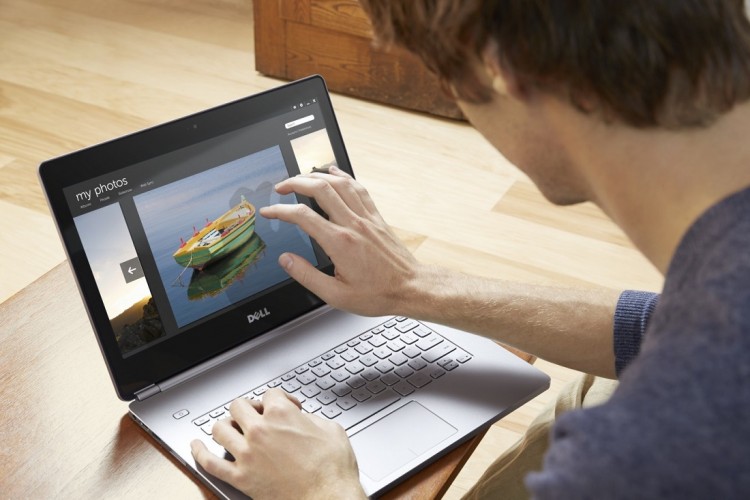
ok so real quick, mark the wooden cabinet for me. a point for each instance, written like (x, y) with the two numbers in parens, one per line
(297, 38)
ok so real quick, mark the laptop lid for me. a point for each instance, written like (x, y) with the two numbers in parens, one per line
(161, 229)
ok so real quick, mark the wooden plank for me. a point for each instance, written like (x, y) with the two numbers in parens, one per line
(343, 60)
(345, 16)
(270, 42)
(295, 10)
(401, 78)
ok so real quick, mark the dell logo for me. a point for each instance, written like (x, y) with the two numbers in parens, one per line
(258, 315)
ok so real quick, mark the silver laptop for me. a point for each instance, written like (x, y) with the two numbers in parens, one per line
(191, 310)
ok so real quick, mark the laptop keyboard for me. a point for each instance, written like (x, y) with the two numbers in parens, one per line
(363, 375)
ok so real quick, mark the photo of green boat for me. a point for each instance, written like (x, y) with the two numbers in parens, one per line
(221, 274)
(218, 238)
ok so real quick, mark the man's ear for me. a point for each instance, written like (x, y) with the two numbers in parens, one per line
(501, 80)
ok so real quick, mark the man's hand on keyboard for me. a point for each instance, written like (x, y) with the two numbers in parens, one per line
(281, 453)
(373, 267)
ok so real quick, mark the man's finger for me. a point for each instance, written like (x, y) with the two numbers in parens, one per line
(212, 464)
(244, 413)
(305, 217)
(277, 399)
(227, 435)
(320, 187)
(324, 286)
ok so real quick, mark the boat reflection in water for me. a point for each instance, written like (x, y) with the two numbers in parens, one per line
(219, 275)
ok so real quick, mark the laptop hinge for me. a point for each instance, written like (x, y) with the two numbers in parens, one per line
(147, 392)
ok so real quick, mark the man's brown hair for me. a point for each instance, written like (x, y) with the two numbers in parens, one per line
(666, 63)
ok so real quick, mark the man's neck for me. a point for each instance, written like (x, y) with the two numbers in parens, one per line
(656, 183)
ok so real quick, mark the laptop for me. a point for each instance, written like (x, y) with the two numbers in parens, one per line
(191, 310)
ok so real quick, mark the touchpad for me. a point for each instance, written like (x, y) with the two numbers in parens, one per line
(397, 439)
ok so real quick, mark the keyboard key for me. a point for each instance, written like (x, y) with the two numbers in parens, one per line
(327, 356)
(408, 338)
(419, 379)
(403, 388)
(326, 398)
(302, 369)
(444, 361)
(400, 318)
(382, 352)
(398, 359)
(260, 390)
(291, 386)
(346, 403)
(384, 367)
(355, 367)
(341, 390)
(340, 349)
(208, 428)
(411, 351)
(353, 342)
(429, 342)
(365, 336)
(396, 345)
(390, 378)
(340, 375)
(368, 360)
(422, 331)
(377, 341)
(463, 358)
(335, 363)
(349, 356)
(306, 378)
(451, 366)
(378, 329)
(376, 386)
(405, 327)
(274, 383)
(403, 371)
(201, 420)
(417, 364)
(390, 324)
(437, 372)
(361, 395)
(314, 362)
(331, 411)
(325, 383)
(321, 370)
(391, 334)
(356, 382)
(288, 376)
(370, 374)
(311, 406)
(310, 391)
(216, 413)
(438, 352)
(363, 348)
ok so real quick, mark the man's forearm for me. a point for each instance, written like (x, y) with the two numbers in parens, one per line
(568, 326)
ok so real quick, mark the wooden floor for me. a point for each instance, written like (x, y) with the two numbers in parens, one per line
(77, 72)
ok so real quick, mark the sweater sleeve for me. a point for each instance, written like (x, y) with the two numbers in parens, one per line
(634, 308)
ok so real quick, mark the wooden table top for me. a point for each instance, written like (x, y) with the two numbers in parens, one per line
(65, 432)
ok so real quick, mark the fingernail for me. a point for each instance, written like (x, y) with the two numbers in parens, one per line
(286, 261)
(333, 168)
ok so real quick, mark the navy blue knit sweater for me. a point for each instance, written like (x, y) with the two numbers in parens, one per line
(678, 425)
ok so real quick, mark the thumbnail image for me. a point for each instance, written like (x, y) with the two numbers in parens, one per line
(130, 308)
(211, 247)
(314, 151)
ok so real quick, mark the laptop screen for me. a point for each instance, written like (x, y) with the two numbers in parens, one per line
(172, 257)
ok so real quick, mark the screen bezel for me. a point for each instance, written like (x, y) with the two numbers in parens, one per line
(231, 328)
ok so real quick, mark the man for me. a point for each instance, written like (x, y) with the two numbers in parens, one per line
(639, 106)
